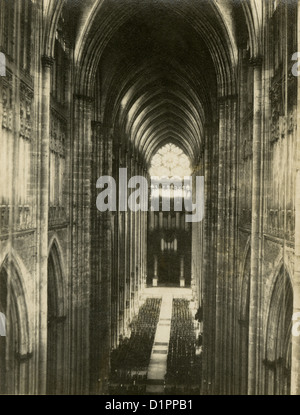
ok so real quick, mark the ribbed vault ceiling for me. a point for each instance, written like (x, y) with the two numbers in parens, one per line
(158, 82)
(162, 65)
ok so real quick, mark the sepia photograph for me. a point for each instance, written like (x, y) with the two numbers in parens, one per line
(149, 199)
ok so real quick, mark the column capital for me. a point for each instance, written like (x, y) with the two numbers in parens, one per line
(85, 98)
(256, 61)
(23, 357)
(96, 124)
(47, 61)
(224, 98)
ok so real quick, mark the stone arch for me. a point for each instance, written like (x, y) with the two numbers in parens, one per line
(16, 348)
(278, 264)
(55, 251)
(277, 360)
(56, 318)
(245, 280)
(253, 14)
(244, 309)
(87, 46)
(13, 261)
(51, 13)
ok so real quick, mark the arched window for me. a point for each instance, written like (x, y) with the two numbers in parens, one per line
(169, 167)
(170, 161)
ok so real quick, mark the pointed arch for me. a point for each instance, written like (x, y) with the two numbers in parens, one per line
(56, 258)
(15, 348)
(56, 317)
(244, 310)
(245, 281)
(253, 14)
(278, 334)
(51, 13)
(17, 273)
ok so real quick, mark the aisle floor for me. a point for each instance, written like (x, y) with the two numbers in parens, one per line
(158, 361)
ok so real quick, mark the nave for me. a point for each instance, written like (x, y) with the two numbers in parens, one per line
(161, 354)
(97, 93)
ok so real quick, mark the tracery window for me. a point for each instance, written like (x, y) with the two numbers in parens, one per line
(278, 29)
(8, 34)
(170, 161)
(60, 66)
(292, 28)
(57, 160)
(25, 31)
(284, 32)
(8, 26)
(169, 167)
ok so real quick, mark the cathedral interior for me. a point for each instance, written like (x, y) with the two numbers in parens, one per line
(134, 301)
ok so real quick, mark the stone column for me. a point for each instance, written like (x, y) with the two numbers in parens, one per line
(139, 240)
(81, 243)
(96, 313)
(295, 378)
(106, 268)
(123, 216)
(154, 283)
(207, 301)
(161, 220)
(127, 250)
(220, 251)
(137, 246)
(132, 244)
(182, 281)
(151, 221)
(145, 235)
(47, 63)
(224, 317)
(231, 243)
(255, 227)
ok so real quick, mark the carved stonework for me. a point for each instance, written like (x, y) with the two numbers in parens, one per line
(247, 136)
(97, 128)
(290, 224)
(292, 116)
(47, 61)
(7, 99)
(57, 215)
(281, 223)
(245, 218)
(4, 218)
(276, 98)
(256, 61)
(292, 90)
(273, 222)
(57, 134)
(23, 218)
(26, 98)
